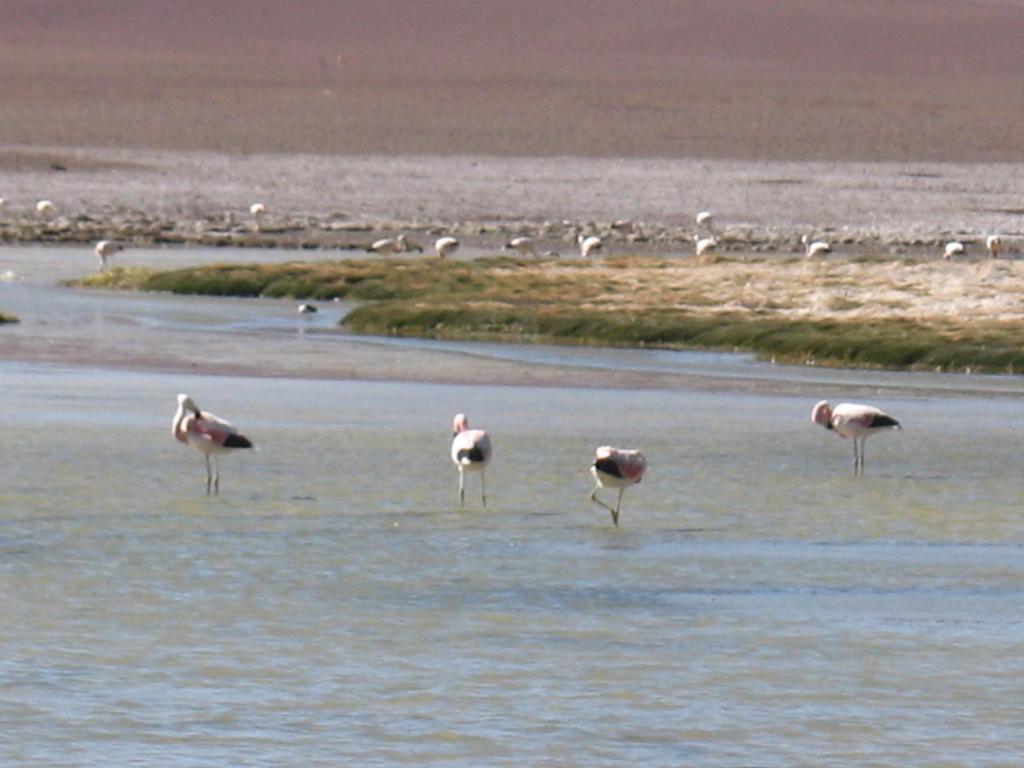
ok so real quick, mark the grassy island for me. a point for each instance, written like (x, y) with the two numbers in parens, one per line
(861, 313)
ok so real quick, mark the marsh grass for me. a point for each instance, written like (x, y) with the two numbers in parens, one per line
(622, 302)
(7, 318)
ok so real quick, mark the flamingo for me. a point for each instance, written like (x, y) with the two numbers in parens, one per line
(815, 247)
(45, 209)
(471, 452)
(445, 246)
(994, 243)
(953, 248)
(391, 245)
(853, 420)
(702, 245)
(704, 220)
(105, 249)
(307, 309)
(616, 468)
(257, 210)
(207, 434)
(589, 245)
(522, 245)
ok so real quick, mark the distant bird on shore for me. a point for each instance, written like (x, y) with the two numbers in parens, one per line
(702, 245)
(814, 248)
(704, 221)
(207, 434)
(391, 245)
(471, 452)
(307, 309)
(616, 468)
(854, 421)
(522, 245)
(994, 244)
(445, 246)
(105, 249)
(953, 248)
(45, 209)
(258, 210)
(589, 245)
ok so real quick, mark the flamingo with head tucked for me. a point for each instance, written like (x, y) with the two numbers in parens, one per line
(854, 421)
(471, 452)
(105, 249)
(616, 468)
(446, 246)
(207, 434)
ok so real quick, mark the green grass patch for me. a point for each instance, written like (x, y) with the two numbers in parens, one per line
(8, 318)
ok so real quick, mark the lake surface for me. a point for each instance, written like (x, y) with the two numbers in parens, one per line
(759, 605)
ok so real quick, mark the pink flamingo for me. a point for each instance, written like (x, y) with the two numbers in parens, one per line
(207, 434)
(616, 468)
(471, 452)
(853, 420)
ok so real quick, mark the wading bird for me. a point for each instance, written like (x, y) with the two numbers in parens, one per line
(45, 209)
(522, 245)
(704, 221)
(994, 243)
(953, 248)
(391, 245)
(815, 247)
(307, 309)
(471, 452)
(616, 468)
(445, 246)
(854, 421)
(702, 245)
(207, 434)
(589, 245)
(105, 249)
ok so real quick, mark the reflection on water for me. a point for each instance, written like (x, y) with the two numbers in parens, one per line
(759, 605)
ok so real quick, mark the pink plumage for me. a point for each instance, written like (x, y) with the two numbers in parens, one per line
(207, 434)
(853, 420)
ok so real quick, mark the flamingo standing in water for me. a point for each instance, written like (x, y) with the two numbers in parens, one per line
(616, 468)
(105, 249)
(445, 246)
(207, 434)
(589, 245)
(471, 452)
(852, 420)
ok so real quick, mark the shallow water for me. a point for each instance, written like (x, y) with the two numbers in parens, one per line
(759, 605)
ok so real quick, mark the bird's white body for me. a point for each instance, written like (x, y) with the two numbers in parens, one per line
(445, 246)
(524, 246)
(105, 249)
(307, 309)
(471, 452)
(702, 245)
(207, 434)
(813, 248)
(704, 220)
(392, 245)
(616, 468)
(855, 421)
(45, 208)
(994, 244)
(953, 248)
(258, 209)
(589, 245)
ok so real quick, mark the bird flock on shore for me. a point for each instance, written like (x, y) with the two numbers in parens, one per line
(471, 449)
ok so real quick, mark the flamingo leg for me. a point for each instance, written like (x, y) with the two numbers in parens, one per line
(209, 476)
(462, 488)
(593, 498)
(216, 476)
(618, 504)
(483, 489)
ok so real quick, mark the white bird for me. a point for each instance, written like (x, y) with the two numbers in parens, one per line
(445, 246)
(45, 209)
(815, 247)
(392, 245)
(307, 309)
(3, 202)
(953, 248)
(702, 245)
(589, 245)
(207, 434)
(855, 421)
(258, 209)
(616, 468)
(522, 245)
(105, 249)
(994, 243)
(471, 452)
(704, 220)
